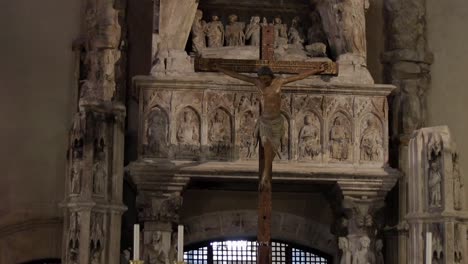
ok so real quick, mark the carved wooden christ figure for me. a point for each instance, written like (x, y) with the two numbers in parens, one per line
(270, 125)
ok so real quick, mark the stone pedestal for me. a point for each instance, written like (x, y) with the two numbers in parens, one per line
(436, 198)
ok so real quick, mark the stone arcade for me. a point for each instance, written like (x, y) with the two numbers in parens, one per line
(196, 128)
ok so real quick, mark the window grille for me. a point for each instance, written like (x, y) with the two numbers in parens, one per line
(245, 252)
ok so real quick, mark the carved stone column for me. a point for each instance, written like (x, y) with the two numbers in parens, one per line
(407, 63)
(436, 198)
(94, 186)
(160, 216)
(94, 180)
(359, 230)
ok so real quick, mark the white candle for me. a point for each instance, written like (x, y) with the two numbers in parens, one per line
(428, 248)
(136, 242)
(180, 244)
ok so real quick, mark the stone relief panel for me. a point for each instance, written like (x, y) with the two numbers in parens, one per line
(340, 138)
(155, 251)
(157, 134)
(371, 140)
(220, 134)
(309, 138)
(188, 133)
(220, 125)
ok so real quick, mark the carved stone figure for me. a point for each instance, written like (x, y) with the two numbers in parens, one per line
(435, 184)
(457, 183)
(316, 34)
(379, 258)
(99, 176)
(339, 139)
(246, 135)
(253, 31)
(198, 33)
(169, 208)
(309, 139)
(346, 254)
(215, 32)
(157, 133)
(363, 255)
(281, 32)
(354, 26)
(188, 130)
(295, 36)
(371, 141)
(75, 177)
(411, 108)
(108, 31)
(154, 252)
(235, 32)
(220, 133)
(107, 59)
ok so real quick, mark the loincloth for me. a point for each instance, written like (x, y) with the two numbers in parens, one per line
(271, 130)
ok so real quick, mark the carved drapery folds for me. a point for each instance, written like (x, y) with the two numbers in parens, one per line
(435, 203)
(203, 124)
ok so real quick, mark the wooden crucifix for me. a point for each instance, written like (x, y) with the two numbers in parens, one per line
(270, 126)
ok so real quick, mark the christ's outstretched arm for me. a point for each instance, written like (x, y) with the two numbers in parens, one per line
(236, 75)
(304, 75)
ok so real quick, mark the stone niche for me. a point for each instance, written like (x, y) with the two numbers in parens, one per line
(193, 119)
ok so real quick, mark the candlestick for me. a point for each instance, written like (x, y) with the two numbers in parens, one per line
(180, 244)
(428, 248)
(136, 242)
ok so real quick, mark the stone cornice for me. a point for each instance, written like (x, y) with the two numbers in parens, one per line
(214, 81)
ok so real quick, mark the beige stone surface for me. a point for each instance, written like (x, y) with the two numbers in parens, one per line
(36, 102)
(447, 101)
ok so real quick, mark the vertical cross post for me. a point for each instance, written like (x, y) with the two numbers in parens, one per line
(267, 43)
(267, 51)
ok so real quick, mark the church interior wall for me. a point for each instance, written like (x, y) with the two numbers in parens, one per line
(37, 102)
(448, 94)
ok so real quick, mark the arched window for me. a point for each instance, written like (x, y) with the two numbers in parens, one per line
(245, 252)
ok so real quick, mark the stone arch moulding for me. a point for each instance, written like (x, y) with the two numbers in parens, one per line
(243, 223)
